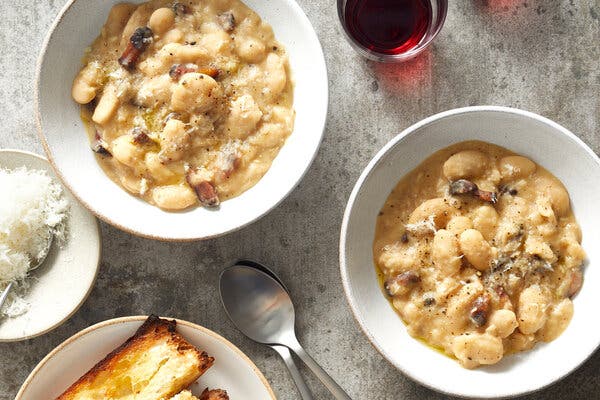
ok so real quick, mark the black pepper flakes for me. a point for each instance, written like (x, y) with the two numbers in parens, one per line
(428, 301)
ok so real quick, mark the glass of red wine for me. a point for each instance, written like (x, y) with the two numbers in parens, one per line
(391, 30)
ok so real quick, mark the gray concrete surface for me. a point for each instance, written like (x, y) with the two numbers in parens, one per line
(537, 55)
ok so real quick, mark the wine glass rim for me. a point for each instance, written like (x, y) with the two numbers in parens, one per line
(439, 17)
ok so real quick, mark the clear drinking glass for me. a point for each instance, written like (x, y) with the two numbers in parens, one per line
(436, 13)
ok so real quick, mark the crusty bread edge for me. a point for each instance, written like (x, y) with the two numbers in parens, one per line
(152, 324)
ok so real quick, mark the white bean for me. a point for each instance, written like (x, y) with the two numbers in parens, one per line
(159, 171)
(465, 164)
(502, 323)
(174, 140)
(535, 245)
(174, 197)
(516, 167)
(106, 106)
(124, 151)
(445, 252)
(244, 114)
(155, 91)
(195, 93)
(437, 210)
(475, 349)
(531, 313)
(459, 224)
(250, 49)
(275, 76)
(559, 198)
(558, 320)
(485, 220)
(215, 42)
(86, 84)
(476, 249)
(161, 20)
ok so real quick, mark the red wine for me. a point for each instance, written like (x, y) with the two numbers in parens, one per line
(388, 26)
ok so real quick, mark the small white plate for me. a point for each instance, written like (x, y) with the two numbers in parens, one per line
(545, 142)
(232, 371)
(61, 285)
(68, 148)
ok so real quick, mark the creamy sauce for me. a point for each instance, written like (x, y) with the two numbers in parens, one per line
(211, 93)
(480, 271)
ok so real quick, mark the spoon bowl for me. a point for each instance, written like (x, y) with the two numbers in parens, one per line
(257, 303)
(40, 260)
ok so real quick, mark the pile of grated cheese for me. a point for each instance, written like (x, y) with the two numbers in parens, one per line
(32, 208)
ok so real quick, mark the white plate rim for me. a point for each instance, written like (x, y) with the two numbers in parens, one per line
(348, 292)
(173, 238)
(141, 318)
(97, 267)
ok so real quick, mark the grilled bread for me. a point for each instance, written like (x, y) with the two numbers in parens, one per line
(154, 364)
(185, 395)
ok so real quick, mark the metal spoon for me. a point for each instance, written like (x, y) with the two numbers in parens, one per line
(283, 351)
(37, 264)
(262, 309)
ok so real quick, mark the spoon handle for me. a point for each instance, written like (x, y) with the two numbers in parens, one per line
(284, 352)
(323, 376)
(4, 294)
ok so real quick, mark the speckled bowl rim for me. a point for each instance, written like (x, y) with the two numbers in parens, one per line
(142, 318)
(97, 268)
(357, 188)
(98, 214)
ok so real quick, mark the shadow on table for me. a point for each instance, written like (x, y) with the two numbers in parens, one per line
(406, 78)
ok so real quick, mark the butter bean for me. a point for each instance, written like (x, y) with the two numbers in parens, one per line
(531, 312)
(106, 106)
(161, 20)
(436, 209)
(459, 224)
(86, 84)
(195, 93)
(475, 349)
(476, 249)
(445, 252)
(502, 323)
(173, 197)
(516, 167)
(465, 164)
(558, 320)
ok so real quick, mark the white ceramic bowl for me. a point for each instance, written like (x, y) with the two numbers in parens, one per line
(232, 371)
(62, 283)
(544, 141)
(68, 148)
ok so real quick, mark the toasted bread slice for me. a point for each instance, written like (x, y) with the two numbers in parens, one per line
(185, 395)
(215, 394)
(153, 364)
